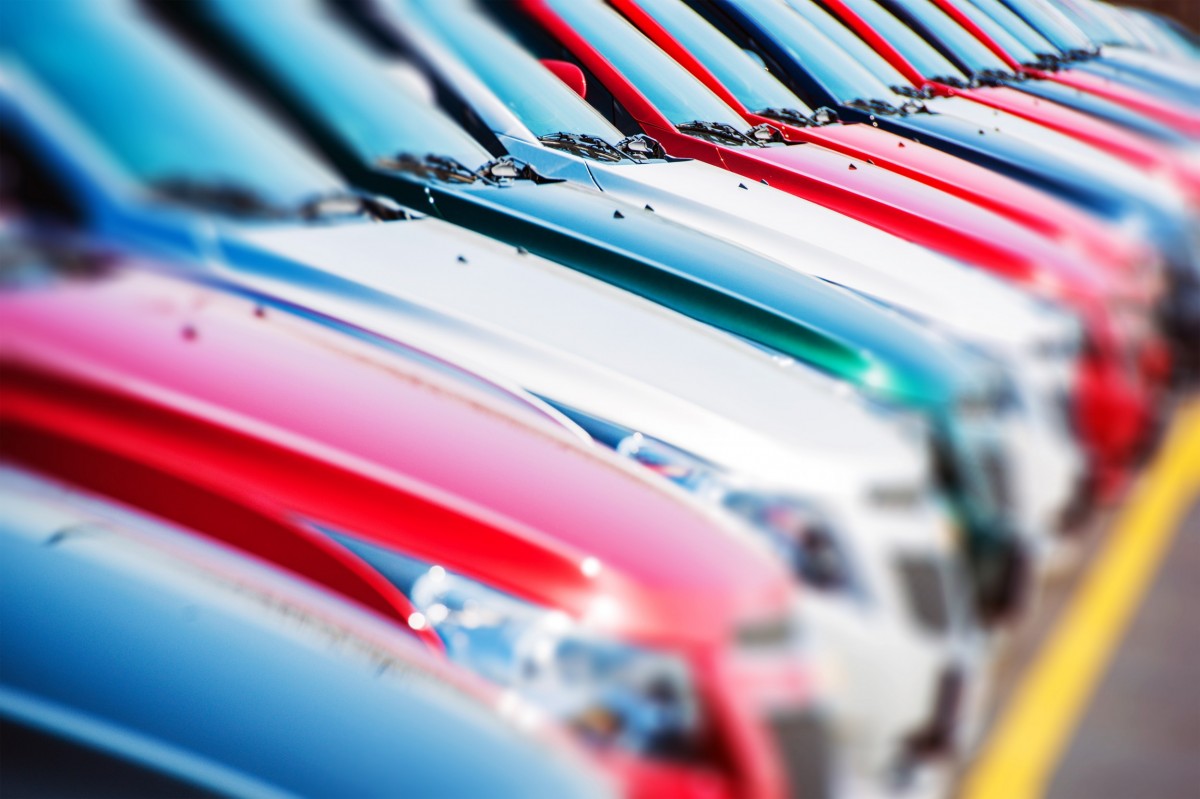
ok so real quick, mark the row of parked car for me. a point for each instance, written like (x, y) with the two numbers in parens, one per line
(564, 397)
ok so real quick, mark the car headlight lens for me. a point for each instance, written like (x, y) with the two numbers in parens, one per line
(609, 692)
(791, 527)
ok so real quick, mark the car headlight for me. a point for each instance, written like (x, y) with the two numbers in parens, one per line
(790, 526)
(609, 692)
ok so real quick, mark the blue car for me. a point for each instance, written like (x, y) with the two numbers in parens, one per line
(143, 660)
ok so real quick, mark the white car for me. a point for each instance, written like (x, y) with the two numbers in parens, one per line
(1035, 341)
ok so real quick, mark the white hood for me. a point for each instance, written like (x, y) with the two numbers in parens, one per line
(575, 340)
(815, 240)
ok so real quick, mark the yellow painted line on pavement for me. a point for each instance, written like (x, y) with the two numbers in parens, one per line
(1029, 739)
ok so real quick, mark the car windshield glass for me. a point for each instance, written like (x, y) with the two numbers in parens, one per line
(351, 88)
(920, 53)
(673, 90)
(845, 39)
(1093, 22)
(745, 78)
(835, 69)
(1004, 16)
(1050, 24)
(158, 115)
(954, 37)
(1007, 41)
(535, 96)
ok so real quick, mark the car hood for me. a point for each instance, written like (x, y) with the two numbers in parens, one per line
(817, 241)
(577, 342)
(1156, 190)
(721, 284)
(204, 385)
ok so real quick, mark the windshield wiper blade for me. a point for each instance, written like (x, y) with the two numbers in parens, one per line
(717, 131)
(352, 203)
(505, 168)
(438, 166)
(641, 147)
(882, 107)
(219, 195)
(789, 115)
(913, 92)
(583, 144)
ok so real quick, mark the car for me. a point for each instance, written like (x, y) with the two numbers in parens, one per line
(506, 81)
(1140, 29)
(1096, 77)
(947, 60)
(786, 438)
(655, 629)
(146, 659)
(826, 64)
(739, 79)
(600, 40)
(1020, 46)
(964, 397)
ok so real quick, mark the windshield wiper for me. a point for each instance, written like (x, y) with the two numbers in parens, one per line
(223, 196)
(882, 107)
(641, 147)
(583, 144)
(789, 115)
(352, 203)
(718, 132)
(913, 92)
(506, 168)
(953, 80)
(438, 166)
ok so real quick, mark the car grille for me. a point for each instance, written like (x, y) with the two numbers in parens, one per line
(925, 589)
(805, 745)
(776, 631)
(996, 475)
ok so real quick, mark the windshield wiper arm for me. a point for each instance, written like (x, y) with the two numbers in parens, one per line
(439, 166)
(641, 147)
(716, 131)
(583, 144)
(218, 195)
(789, 115)
(352, 203)
(882, 107)
(506, 168)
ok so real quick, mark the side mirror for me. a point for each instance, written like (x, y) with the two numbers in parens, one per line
(569, 74)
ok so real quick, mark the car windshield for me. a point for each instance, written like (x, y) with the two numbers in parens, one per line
(920, 53)
(1093, 22)
(1002, 36)
(755, 88)
(1051, 24)
(674, 91)
(846, 40)
(954, 37)
(351, 88)
(837, 70)
(1004, 16)
(157, 114)
(542, 102)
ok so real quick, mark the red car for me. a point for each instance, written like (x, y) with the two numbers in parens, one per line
(592, 592)
(707, 54)
(1133, 148)
(1156, 108)
(1114, 407)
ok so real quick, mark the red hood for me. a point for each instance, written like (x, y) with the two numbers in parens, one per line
(1130, 147)
(208, 388)
(1161, 110)
(1009, 198)
(917, 213)
(1036, 210)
